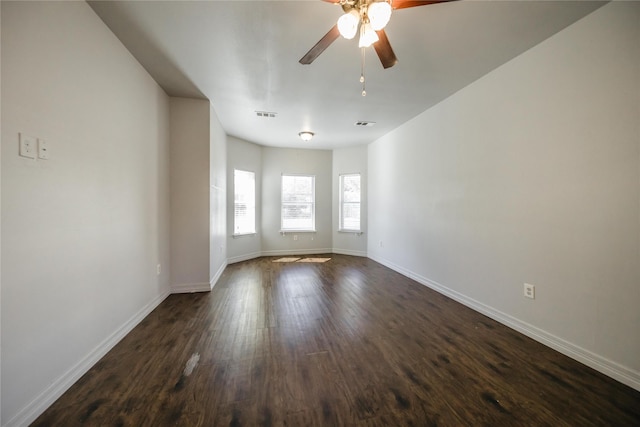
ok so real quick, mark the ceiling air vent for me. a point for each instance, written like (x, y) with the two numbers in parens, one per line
(268, 114)
(363, 123)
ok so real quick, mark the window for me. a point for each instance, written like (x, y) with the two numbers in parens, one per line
(244, 209)
(298, 203)
(350, 202)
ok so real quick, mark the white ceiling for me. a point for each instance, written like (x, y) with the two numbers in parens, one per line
(243, 56)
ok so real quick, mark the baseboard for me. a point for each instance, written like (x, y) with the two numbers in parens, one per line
(37, 406)
(241, 258)
(216, 276)
(255, 255)
(601, 364)
(297, 252)
(349, 252)
(187, 288)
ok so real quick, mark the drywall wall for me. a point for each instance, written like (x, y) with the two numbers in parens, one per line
(278, 161)
(246, 156)
(0, 229)
(198, 195)
(530, 174)
(345, 161)
(269, 164)
(218, 198)
(84, 230)
(190, 203)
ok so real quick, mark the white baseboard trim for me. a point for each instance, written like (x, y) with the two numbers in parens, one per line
(217, 276)
(40, 403)
(188, 288)
(349, 252)
(255, 255)
(601, 364)
(297, 252)
(246, 257)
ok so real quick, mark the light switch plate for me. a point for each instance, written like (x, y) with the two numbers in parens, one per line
(28, 146)
(43, 149)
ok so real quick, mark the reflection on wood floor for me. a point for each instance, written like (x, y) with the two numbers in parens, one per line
(344, 342)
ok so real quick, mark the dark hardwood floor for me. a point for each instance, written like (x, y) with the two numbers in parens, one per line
(346, 342)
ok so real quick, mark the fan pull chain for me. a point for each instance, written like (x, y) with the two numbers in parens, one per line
(362, 57)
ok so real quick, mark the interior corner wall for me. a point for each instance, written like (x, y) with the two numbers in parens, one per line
(0, 225)
(269, 163)
(529, 175)
(275, 163)
(245, 156)
(218, 198)
(346, 161)
(190, 194)
(84, 230)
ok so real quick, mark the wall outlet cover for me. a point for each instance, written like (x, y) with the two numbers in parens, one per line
(529, 291)
(28, 146)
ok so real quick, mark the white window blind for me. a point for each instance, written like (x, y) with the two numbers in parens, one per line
(350, 202)
(298, 203)
(244, 216)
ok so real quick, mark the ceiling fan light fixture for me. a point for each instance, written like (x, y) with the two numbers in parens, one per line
(306, 135)
(367, 36)
(348, 24)
(379, 14)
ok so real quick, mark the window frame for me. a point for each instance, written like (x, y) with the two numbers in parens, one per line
(311, 229)
(342, 203)
(249, 205)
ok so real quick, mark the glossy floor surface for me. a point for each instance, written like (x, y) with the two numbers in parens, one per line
(345, 342)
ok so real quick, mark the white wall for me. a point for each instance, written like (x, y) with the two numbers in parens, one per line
(82, 231)
(217, 188)
(345, 161)
(190, 204)
(278, 161)
(0, 230)
(269, 164)
(530, 174)
(198, 195)
(245, 156)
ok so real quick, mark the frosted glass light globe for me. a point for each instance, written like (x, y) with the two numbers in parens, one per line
(379, 14)
(348, 24)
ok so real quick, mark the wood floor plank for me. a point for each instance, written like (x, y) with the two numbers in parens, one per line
(347, 342)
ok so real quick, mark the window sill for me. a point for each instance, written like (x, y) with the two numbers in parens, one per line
(358, 232)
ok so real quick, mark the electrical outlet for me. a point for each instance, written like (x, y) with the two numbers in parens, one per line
(529, 291)
(158, 269)
(295, 237)
(28, 146)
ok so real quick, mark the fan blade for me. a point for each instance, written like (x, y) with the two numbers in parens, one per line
(332, 1)
(403, 4)
(319, 47)
(384, 50)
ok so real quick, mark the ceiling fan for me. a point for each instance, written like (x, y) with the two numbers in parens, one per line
(370, 16)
